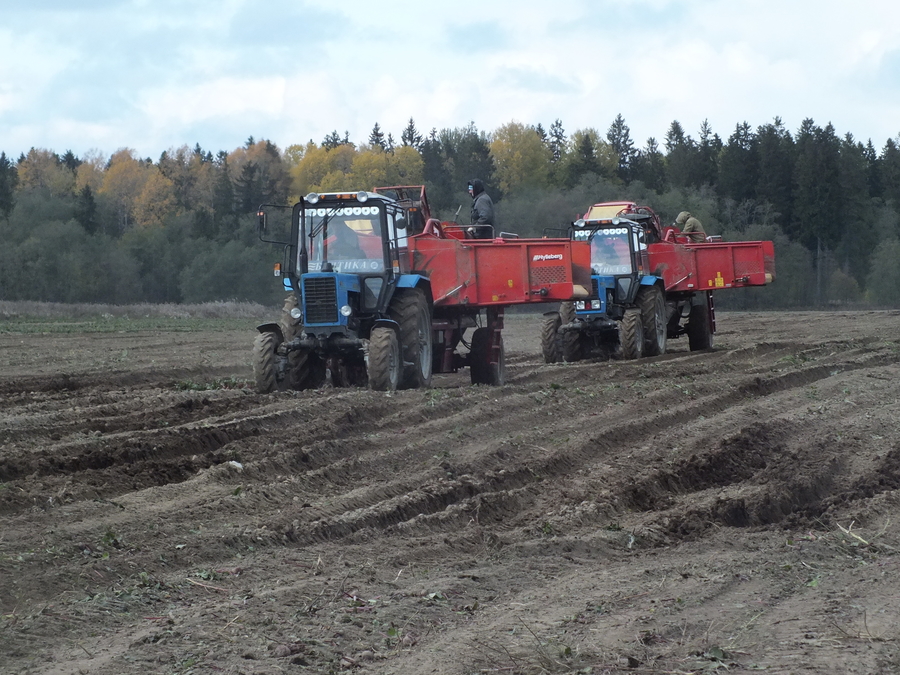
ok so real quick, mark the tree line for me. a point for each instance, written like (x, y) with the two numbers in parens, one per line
(123, 229)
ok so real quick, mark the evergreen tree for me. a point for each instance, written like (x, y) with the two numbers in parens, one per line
(873, 171)
(707, 167)
(223, 195)
(650, 167)
(332, 140)
(9, 179)
(436, 173)
(619, 137)
(584, 161)
(680, 150)
(86, 210)
(246, 188)
(70, 161)
(557, 141)
(775, 152)
(890, 173)
(377, 137)
(818, 211)
(411, 135)
(470, 151)
(738, 165)
(858, 234)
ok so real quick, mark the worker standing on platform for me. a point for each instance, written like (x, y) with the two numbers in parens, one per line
(482, 211)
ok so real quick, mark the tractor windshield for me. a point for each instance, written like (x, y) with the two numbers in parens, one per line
(610, 252)
(348, 237)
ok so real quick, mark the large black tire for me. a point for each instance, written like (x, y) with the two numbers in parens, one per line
(481, 370)
(699, 328)
(305, 370)
(265, 362)
(631, 334)
(289, 327)
(570, 342)
(551, 348)
(384, 359)
(652, 303)
(410, 310)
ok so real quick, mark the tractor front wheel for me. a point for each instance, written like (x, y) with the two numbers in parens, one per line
(550, 339)
(384, 359)
(571, 346)
(631, 334)
(652, 304)
(265, 362)
(410, 310)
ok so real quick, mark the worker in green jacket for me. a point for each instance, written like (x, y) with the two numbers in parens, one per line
(691, 227)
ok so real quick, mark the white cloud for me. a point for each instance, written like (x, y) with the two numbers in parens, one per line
(150, 75)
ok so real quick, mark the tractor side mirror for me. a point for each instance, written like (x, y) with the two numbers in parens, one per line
(261, 224)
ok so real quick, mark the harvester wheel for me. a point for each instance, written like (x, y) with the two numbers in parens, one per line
(384, 359)
(264, 362)
(570, 344)
(410, 310)
(481, 370)
(699, 329)
(631, 334)
(550, 339)
(652, 304)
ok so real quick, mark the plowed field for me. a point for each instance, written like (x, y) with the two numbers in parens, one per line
(737, 509)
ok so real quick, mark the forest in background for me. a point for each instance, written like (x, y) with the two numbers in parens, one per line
(124, 229)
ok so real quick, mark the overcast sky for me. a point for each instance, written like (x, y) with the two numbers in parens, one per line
(100, 75)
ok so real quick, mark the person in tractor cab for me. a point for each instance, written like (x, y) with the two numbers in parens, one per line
(691, 226)
(482, 211)
(343, 243)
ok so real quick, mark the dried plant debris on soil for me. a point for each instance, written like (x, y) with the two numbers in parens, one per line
(735, 509)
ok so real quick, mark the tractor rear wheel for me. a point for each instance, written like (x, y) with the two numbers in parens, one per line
(481, 370)
(631, 334)
(571, 346)
(410, 310)
(265, 362)
(652, 304)
(699, 329)
(550, 339)
(384, 359)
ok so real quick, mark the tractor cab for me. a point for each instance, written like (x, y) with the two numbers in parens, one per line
(351, 247)
(618, 261)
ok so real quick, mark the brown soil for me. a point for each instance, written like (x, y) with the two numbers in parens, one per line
(731, 509)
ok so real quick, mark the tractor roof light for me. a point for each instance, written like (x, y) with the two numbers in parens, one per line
(312, 198)
(362, 196)
(579, 222)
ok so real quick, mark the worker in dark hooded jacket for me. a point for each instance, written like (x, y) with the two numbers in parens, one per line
(482, 211)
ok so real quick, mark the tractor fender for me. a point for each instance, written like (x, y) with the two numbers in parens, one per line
(271, 328)
(650, 280)
(413, 281)
(417, 281)
(387, 323)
